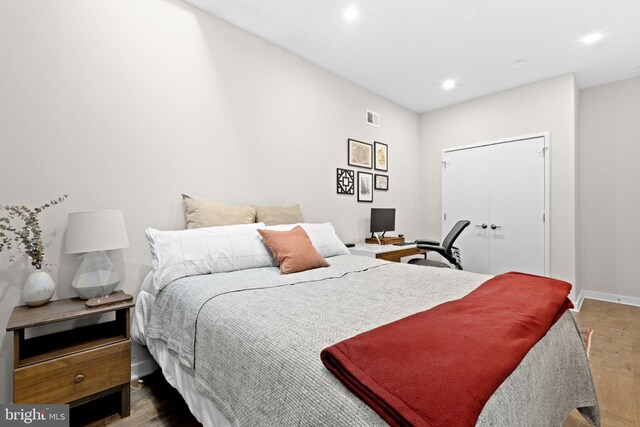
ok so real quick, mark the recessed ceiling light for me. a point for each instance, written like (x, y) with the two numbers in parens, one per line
(592, 38)
(448, 84)
(521, 63)
(351, 13)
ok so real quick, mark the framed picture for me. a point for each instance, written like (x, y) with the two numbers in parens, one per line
(381, 154)
(345, 181)
(365, 187)
(360, 154)
(381, 182)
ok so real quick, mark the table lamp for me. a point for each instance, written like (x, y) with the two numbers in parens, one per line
(92, 233)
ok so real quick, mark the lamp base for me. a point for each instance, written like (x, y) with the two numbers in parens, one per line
(95, 277)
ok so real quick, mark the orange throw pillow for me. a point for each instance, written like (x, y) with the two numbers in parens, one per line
(293, 250)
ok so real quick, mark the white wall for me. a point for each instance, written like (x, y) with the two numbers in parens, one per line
(548, 105)
(126, 104)
(609, 194)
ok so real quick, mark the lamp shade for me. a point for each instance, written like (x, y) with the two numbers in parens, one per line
(91, 231)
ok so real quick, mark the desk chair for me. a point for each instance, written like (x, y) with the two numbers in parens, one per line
(447, 250)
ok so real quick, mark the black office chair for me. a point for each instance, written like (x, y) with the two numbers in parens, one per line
(447, 250)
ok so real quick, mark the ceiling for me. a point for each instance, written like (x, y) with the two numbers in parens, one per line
(405, 49)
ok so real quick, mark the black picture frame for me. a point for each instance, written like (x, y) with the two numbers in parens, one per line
(359, 154)
(381, 182)
(365, 187)
(381, 156)
(345, 181)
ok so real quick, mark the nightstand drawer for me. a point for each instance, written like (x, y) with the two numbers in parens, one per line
(69, 378)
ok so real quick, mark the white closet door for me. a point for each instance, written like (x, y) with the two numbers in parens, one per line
(465, 195)
(502, 185)
(517, 206)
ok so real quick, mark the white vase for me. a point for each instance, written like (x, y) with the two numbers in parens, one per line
(38, 289)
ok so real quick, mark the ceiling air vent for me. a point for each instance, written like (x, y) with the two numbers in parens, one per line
(373, 118)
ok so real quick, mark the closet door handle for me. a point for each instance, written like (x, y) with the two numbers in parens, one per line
(494, 227)
(483, 226)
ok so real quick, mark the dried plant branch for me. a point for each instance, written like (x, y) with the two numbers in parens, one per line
(26, 236)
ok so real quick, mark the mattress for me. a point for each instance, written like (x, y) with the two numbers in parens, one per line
(249, 342)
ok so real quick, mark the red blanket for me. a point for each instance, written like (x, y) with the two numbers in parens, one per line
(439, 367)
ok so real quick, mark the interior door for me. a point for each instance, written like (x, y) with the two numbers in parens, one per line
(465, 195)
(500, 188)
(516, 207)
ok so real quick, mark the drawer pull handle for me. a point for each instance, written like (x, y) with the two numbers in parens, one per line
(79, 378)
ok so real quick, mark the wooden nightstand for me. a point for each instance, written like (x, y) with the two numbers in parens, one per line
(74, 366)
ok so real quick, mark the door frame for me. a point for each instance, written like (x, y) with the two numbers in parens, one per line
(547, 181)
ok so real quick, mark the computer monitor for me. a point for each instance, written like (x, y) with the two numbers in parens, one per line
(382, 220)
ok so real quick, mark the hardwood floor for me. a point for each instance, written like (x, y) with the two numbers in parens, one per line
(615, 363)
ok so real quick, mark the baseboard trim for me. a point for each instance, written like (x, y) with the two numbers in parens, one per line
(578, 304)
(602, 296)
(143, 368)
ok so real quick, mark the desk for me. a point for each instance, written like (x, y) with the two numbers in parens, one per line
(386, 252)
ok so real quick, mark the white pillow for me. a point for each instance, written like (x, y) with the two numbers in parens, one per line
(323, 237)
(206, 250)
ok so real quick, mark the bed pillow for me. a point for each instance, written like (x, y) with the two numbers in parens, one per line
(293, 250)
(205, 213)
(177, 254)
(323, 237)
(275, 215)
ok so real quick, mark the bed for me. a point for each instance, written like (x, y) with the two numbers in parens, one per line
(243, 346)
